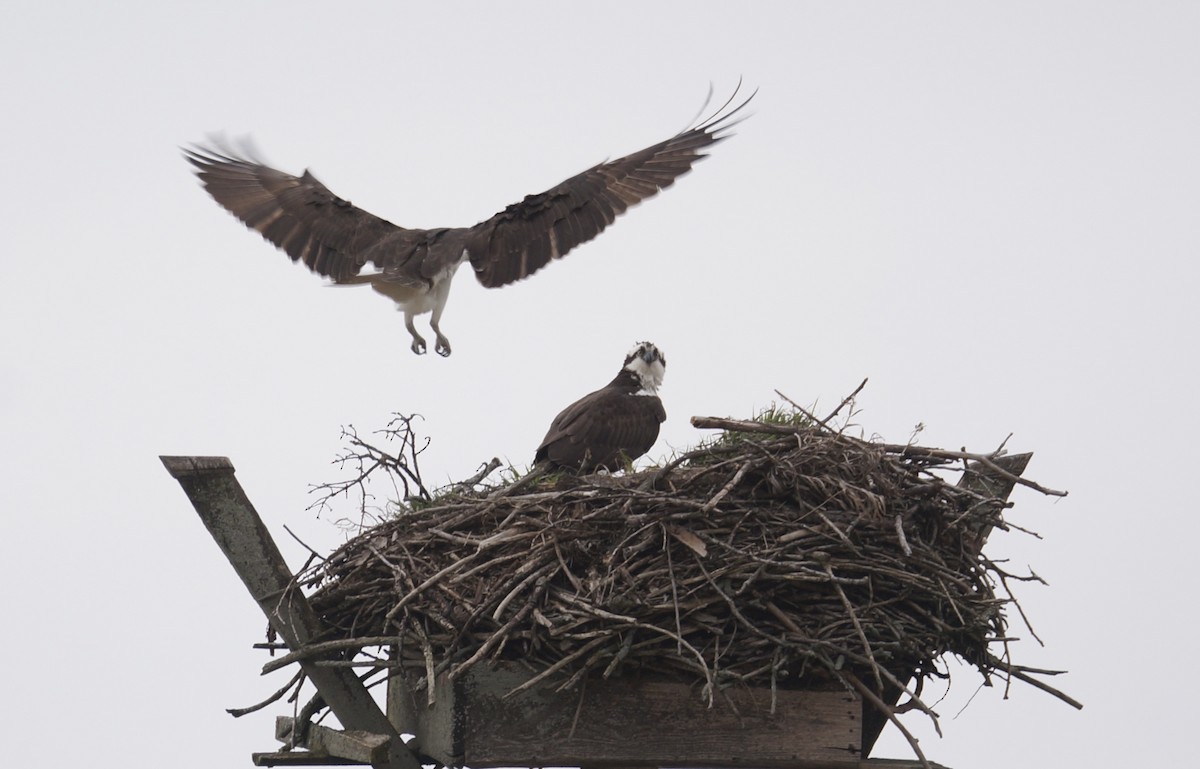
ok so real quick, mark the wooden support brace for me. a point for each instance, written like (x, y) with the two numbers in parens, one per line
(861, 763)
(234, 524)
(299, 758)
(358, 747)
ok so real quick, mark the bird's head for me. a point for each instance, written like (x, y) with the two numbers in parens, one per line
(648, 364)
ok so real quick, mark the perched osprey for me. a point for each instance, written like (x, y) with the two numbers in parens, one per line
(620, 422)
(414, 268)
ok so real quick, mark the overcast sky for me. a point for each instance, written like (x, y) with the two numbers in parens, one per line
(988, 209)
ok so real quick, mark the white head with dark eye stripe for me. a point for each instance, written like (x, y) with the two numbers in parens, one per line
(648, 364)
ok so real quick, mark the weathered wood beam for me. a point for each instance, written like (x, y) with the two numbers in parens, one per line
(239, 532)
(357, 747)
(625, 722)
(802, 763)
(298, 758)
(983, 480)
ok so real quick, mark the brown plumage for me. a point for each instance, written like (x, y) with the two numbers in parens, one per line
(414, 267)
(613, 425)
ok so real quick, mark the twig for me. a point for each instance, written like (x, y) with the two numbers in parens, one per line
(484, 471)
(900, 535)
(324, 647)
(728, 487)
(1020, 674)
(858, 628)
(293, 683)
(825, 422)
(578, 709)
(302, 543)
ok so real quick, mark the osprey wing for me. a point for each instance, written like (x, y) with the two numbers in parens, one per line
(526, 236)
(302, 216)
(598, 428)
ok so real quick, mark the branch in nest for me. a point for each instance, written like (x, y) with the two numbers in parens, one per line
(296, 682)
(397, 458)
(902, 450)
(366, 459)
(1023, 674)
(484, 471)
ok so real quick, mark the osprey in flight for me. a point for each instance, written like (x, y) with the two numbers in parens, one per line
(414, 268)
(618, 423)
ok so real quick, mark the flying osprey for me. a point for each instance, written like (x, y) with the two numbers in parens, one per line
(414, 268)
(604, 429)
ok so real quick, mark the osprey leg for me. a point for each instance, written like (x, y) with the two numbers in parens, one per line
(443, 344)
(418, 343)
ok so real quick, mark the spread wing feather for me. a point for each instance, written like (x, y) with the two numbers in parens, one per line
(302, 216)
(336, 239)
(526, 236)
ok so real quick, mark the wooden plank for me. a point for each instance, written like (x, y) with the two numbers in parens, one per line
(357, 747)
(239, 532)
(298, 758)
(627, 722)
(622, 721)
(861, 763)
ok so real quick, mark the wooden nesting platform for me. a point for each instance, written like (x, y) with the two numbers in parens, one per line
(482, 718)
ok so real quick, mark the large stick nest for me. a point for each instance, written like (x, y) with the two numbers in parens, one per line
(778, 555)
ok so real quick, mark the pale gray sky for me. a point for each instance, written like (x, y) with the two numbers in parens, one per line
(989, 209)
